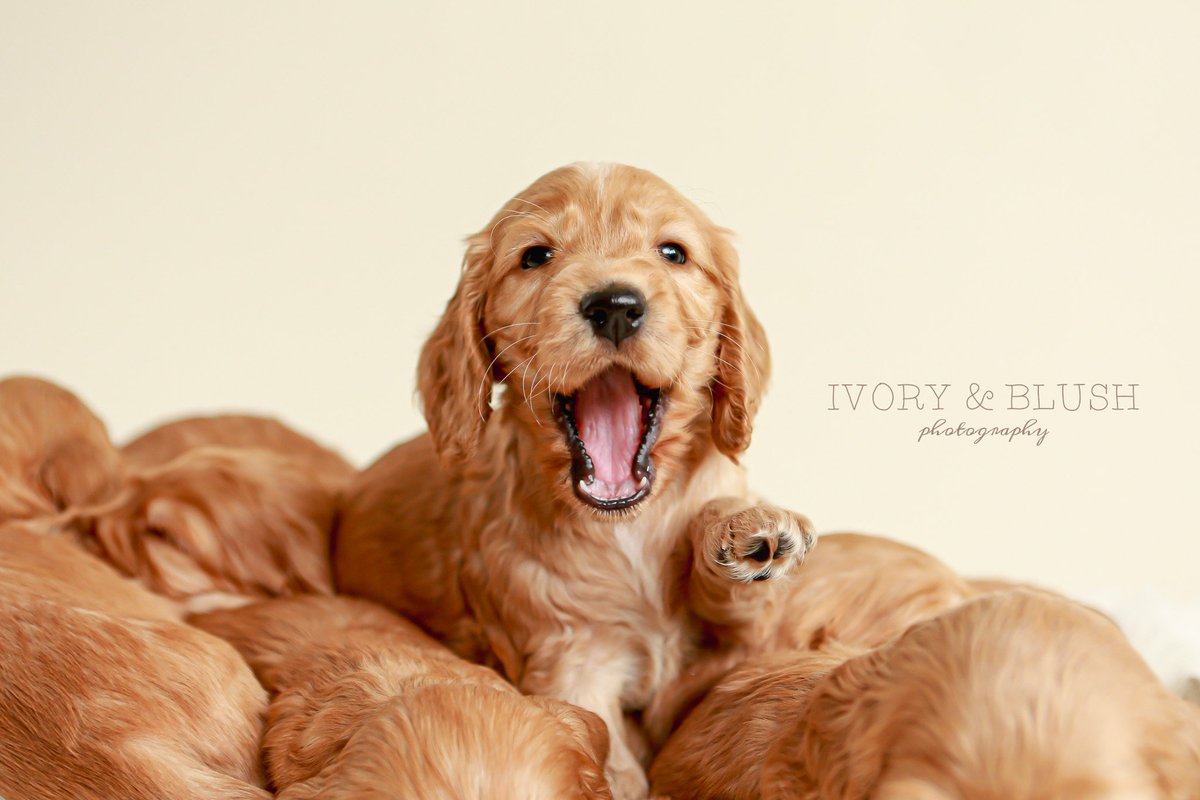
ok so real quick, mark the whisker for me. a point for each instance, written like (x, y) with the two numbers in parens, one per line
(722, 324)
(718, 358)
(488, 370)
(732, 341)
(525, 392)
(510, 215)
(549, 382)
(530, 202)
(532, 388)
(513, 371)
(486, 336)
(566, 369)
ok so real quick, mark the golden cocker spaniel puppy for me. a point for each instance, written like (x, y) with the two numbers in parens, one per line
(105, 693)
(367, 706)
(218, 511)
(591, 528)
(1016, 695)
(856, 591)
(167, 442)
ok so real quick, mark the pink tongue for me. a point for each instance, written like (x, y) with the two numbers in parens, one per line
(609, 415)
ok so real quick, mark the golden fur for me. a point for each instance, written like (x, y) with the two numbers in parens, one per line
(167, 442)
(207, 511)
(1016, 695)
(54, 452)
(367, 706)
(216, 511)
(105, 694)
(218, 525)
(855, 591)
(475, 530)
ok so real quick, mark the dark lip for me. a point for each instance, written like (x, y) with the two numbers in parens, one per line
(582, 470)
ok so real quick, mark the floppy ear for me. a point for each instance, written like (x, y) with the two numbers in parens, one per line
(744, 362)
(587, 727)
(453, 375)
(591, 733)
(844, 735)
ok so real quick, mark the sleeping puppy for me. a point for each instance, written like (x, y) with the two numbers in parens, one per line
(105, 694)
(1020, 694)
(209, 512)
(54, 452)
(366, 705)
(219, 526)
(594, 527)
(857, 592)
(167, 442)
(217, 511)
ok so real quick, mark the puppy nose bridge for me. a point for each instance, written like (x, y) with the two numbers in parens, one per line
(615, 312)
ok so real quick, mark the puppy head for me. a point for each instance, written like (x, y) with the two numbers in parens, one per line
(608, 306)
(458, 740)
(219, 520)
(1020, 695)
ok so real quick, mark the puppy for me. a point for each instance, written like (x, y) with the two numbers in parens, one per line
(54, 452)
(205, 524)
(105, 694)
(366, 705)
(857, 592)
(863, 591)
(219, 526)
(1020, 694)
(165, 443)
(594, 528)
(219, 511)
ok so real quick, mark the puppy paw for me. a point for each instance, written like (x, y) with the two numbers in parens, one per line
(628, 782)
(762, 543)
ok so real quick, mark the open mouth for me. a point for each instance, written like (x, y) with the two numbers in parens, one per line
(611, 424)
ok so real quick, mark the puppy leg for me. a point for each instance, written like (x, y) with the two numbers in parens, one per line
(736, 548)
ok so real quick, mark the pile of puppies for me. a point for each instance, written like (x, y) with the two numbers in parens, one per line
(564, 590)
(109, 692)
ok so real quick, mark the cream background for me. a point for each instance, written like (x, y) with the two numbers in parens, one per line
(259, 206)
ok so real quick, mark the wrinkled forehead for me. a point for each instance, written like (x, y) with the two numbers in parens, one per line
(601, 209)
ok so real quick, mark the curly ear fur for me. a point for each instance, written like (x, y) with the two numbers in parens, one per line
(843, 742)
(454, 378)
(744, 361)
(230, 520)
(592, 736)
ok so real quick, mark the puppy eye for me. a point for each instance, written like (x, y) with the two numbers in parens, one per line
(673, 252)
(536, 256)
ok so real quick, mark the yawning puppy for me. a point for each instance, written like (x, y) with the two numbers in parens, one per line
(105, 694)
(1018, 695)
(368, 706)
(593, 527)
(54, 452)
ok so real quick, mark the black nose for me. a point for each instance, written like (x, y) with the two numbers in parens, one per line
(616, 312)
